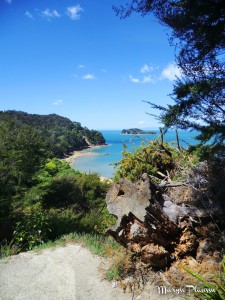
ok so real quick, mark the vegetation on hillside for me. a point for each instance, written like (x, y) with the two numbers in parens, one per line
(41, 197)
(60, 134)
(136, 131)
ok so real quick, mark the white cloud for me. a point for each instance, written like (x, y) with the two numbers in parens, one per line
(88, 77)
(57, 102)
(143, 77)
(171, 72)
(141, 122)
(81, 66)
(134, 79)
(146, 69)
(74, 12)
(49, 14)
(28, 14)
(147, 79)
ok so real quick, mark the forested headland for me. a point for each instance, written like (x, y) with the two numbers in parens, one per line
(42, 197)
(59, 135)
(136, 131)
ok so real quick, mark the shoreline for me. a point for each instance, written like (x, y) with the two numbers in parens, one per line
(72, 158)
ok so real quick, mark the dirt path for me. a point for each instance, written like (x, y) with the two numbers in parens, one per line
(62, 273)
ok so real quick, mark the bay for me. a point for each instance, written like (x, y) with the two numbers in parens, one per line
(103, 162)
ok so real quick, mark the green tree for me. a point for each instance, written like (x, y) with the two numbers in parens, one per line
(61, 135)
(22, 151)
(63, 192)
(199, 36)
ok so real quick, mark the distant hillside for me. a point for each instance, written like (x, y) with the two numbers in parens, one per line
(61, 134)
(136, 131)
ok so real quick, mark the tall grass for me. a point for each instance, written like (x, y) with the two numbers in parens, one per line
(214, 290)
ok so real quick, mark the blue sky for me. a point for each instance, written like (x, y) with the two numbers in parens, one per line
(78, 60)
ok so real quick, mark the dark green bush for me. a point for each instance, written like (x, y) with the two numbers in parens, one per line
(32, 229)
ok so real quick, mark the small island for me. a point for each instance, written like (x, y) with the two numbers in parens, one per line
(136, 131)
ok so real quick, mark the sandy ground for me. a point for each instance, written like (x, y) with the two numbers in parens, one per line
(62, 273)
(71, 159)
(85, 152)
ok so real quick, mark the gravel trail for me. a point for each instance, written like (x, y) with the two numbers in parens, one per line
(61, 273)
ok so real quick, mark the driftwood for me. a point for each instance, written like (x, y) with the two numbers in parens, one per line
(150, 224)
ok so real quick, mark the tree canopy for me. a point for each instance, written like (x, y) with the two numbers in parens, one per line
(61, 135)
(42, 197)
(198, 32)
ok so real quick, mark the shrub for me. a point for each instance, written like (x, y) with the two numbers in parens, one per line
(154, 158)
(97, 220)
(62, 221)
(32, 229)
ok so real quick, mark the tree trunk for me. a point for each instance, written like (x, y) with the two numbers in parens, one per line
(150, 224)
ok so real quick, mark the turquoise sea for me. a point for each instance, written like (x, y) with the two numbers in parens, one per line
(103, 163)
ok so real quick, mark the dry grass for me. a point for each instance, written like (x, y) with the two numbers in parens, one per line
(177, 274)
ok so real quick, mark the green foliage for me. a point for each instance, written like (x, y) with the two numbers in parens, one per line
(22, 151)
(42, 198)
(211, 290)
(195, 107)
(197, 31)
(136, 131)
(97, 220)
(32, 229)
(8, 248)
(49, 244)
(63, 192)
(150, 159)
(93, 191)
(97, 243)
(62, 221)
(114, 272)
(61, 135)
(94, 137)
(59, 201)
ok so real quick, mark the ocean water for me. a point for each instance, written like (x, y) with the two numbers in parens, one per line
(107, 155)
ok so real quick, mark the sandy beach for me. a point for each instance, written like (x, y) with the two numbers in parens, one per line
(71, 159)
(85, 152)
